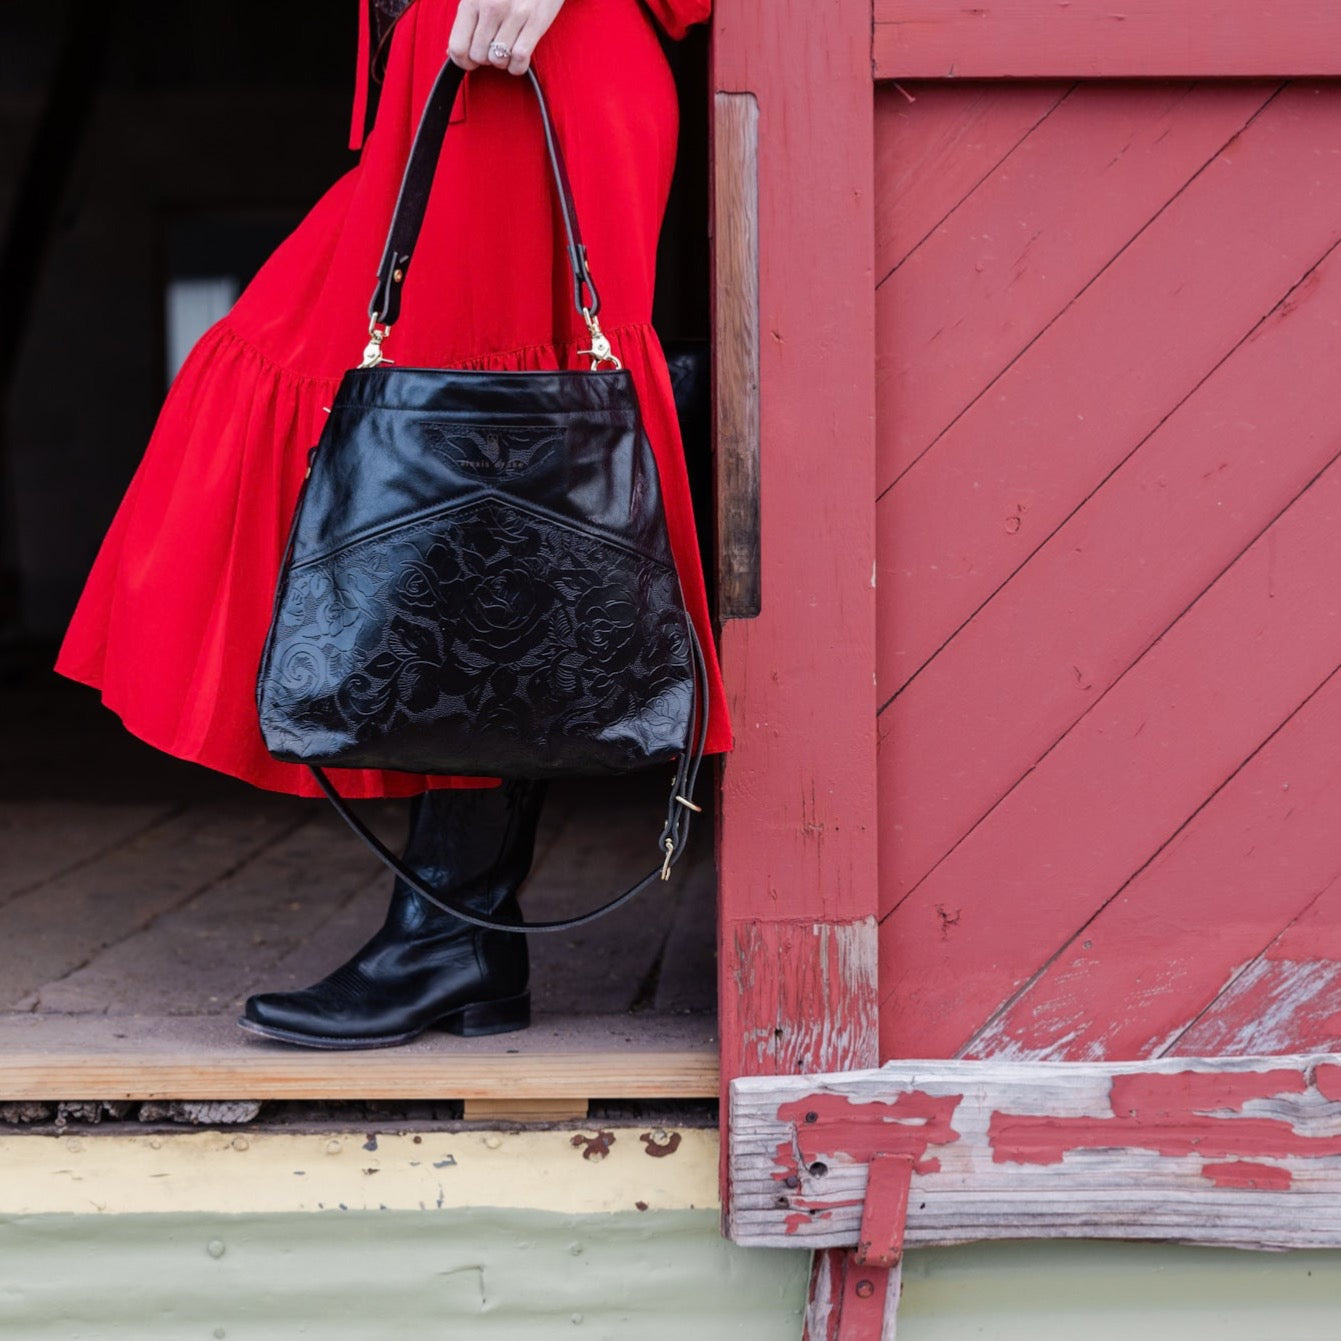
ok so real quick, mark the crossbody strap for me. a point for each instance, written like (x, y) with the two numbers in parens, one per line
(674, 833)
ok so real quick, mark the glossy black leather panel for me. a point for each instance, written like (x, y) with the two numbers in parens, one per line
(400, 442)
(450, 608)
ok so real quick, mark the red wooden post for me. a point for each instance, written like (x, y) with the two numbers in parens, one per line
(797, 847)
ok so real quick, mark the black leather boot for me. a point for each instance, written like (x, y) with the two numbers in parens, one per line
(425, 967)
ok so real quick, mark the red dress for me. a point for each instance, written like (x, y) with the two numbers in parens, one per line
(172, 620)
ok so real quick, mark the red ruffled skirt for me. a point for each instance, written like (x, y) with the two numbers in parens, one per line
(171, 623)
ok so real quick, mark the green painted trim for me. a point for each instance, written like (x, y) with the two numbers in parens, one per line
(1040, 1291)
(393, 1276)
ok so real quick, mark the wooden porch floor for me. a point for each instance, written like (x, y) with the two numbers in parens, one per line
(142, 899)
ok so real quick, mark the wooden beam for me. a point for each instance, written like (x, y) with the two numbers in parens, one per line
(1097, 39)
(1233, 1151)
(797, 859)
(565, 1059)
(736, 342)
(797, 822)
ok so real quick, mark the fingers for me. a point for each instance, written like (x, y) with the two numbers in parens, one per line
(463, 33)
(515, 24)
(508, 34)
(493, 16)
(524, 43)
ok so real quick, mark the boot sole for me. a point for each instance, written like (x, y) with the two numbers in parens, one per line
(474, 1020)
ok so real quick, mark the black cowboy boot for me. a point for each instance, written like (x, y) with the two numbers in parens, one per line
(426, 967)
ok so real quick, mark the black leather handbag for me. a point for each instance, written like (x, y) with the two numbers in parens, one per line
(478, 579)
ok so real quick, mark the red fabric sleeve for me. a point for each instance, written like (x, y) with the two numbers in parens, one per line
(675, 16)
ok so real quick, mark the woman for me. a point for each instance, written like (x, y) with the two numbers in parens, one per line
(172, 620)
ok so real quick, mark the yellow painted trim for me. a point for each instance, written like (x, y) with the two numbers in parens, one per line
(230, 1172)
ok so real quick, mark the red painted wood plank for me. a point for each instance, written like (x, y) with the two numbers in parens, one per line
(934, 143)
(1109, 581)
(796, 818)
(1039, 39)
(798, 794)
(1016, 252)
(1251, 860)
(800, 996)
(1118, 785)
(1103, 376)
(1289, 994)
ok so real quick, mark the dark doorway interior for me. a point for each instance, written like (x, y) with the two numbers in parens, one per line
(133, 884)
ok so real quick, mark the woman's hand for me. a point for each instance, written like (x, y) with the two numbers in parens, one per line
(516, 25)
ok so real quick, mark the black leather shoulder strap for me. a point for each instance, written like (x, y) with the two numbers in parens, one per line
(417, 183)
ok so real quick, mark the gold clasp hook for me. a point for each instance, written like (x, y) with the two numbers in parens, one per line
(372, 351)
(600, 351)
(666, 865)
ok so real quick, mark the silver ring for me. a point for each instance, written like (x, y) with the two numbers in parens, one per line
(498, 52)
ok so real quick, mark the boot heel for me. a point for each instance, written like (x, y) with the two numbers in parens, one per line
(489, 1017)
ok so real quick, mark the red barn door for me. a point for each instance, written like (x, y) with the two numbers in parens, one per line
(1109, 529)
(1083, 267)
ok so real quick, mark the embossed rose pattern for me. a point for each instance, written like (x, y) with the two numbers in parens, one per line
(495, 640)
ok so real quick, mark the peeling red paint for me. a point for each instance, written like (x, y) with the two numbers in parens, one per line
(1244, 1173)
(1152, 1096)
(1185, 1113)
(1328, 1080)
(906, 1125)
(793, 1223)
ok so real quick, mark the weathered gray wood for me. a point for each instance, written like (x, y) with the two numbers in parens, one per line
(208, 953)
(43, 840)
(52, 930)
(1236, 1151)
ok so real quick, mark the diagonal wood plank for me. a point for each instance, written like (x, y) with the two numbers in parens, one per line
(51, 931)
(1251, 860)
(1291, 991)
(1103, 376)
(1019, 248)
(1108, 582)
(935, 143)
(1118, 784)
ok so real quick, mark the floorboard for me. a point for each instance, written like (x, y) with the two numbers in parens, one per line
(147, 1057)
(150, 900)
